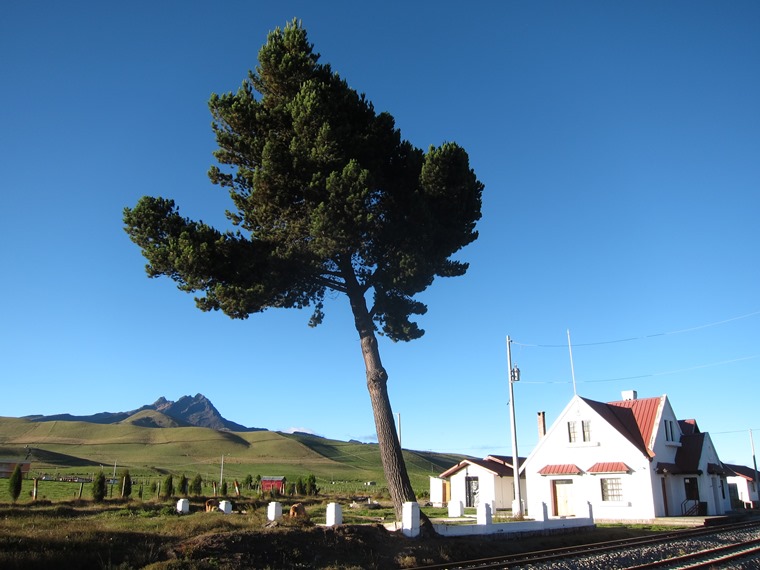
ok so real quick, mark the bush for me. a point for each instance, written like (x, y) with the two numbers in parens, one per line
(99, 488)
(126, 484)
(167, 487)
(196, 486)
(14, 483)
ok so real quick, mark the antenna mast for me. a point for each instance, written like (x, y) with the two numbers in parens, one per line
(572, 367)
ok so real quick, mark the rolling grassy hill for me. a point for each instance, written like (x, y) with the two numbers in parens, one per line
(70, 447)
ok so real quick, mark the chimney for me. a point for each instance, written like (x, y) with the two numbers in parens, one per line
(541, 424)
(629, 395)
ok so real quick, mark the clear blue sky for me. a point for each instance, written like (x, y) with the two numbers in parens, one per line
(619, 144)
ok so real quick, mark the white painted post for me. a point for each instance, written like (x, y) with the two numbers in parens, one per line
(410, 519)
(274, 511)
(484, 513)
(456, 510)
(334, 514)
(183, 506)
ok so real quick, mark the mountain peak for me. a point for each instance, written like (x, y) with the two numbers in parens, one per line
(193, 410)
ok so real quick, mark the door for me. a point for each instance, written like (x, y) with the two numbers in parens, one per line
(471, 491)
(691, 488)
(562, 492)
(665, 496)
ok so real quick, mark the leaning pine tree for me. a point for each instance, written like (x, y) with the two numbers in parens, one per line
(327, 198)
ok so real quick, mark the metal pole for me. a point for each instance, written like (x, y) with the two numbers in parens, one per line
(754, 464)
(221, 472)
(517, 510)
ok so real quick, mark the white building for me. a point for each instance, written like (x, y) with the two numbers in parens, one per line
(742, 485)
(476, 481)
(630, 460)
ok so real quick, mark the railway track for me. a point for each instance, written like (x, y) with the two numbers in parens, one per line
(563, 557)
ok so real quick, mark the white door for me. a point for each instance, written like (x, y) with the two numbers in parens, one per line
(563, 497)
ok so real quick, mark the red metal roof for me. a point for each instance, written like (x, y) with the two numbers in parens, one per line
(563, 469)
(645, 415)
(610, 467)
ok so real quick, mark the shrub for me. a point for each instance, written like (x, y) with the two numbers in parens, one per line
(126, 484)
(99, 488)
(14, 483)
(167, 487)
(196, 486)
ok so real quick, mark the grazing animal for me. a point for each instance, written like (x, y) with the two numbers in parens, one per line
(298, 511)
(212, 505)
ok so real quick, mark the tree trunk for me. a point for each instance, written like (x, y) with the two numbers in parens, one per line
(399, 486)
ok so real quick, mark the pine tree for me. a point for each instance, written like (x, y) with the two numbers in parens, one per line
(15, 483)
(167, 487)
(196, 486)
(99, 488)
(328, 200)
(126, 483)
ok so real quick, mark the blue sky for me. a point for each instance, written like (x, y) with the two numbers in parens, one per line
(619, 145)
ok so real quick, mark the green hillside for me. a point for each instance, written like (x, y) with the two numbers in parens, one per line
(81, 448)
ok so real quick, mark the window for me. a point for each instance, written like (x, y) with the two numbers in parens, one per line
(612, 489)
(670, 432)
(572, 436)
(586, 425)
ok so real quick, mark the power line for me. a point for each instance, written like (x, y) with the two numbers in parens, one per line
(632, 338)
(650, 375)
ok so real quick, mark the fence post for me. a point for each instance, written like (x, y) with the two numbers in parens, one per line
(456, 509)
(274, 511)
(484, 513)
(334, 514)
(410, 519)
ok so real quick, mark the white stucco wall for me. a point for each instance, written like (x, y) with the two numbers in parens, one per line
(606, 445)
(642, 487)
(496, 490)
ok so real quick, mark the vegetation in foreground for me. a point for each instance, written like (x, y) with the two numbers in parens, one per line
(130, 534)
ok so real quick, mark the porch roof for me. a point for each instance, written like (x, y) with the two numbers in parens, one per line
(560, 469)
(495, 467)
(610, 467)
(740, 471)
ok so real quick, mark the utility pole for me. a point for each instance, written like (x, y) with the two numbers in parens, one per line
(221, 473)
(754, 464)
(514, 376)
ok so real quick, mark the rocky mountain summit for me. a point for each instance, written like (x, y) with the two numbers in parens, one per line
(188, 411)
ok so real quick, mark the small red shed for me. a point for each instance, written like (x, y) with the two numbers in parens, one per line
(276, 484)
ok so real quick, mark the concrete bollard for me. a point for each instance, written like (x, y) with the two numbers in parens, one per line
(334, 515)
(484, 513)
(274, 511)
(410, 519)
(183, 506)
(225, 507)
(456, 509)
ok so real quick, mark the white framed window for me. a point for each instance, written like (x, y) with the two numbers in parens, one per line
(572, 432)
(612, 489)
(586, 426)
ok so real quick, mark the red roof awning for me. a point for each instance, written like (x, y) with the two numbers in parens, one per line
(610, 467)
(564, 469)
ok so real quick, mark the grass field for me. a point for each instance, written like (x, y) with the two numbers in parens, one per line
(61, 448)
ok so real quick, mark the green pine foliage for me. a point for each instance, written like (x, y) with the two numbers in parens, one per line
(99, 488)
(196, 485)
(167, 487)
(15, 482)
(327, 198)
(126, 483)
